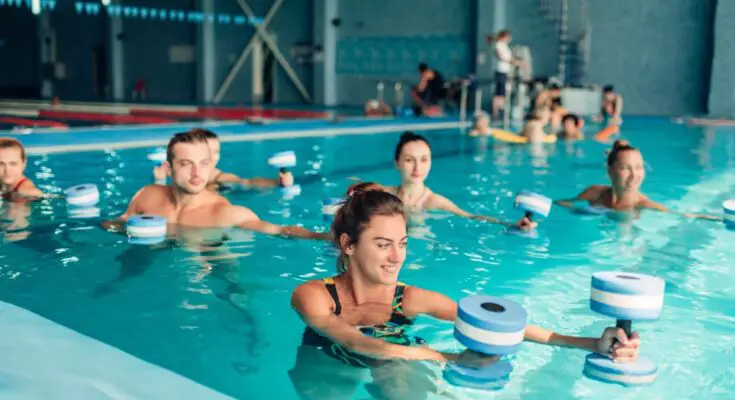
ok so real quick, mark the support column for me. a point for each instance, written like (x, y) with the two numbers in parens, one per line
(207, 54)
(325, 67)
(117, 58)
(47, 39)
(257, 70)
(490, 18)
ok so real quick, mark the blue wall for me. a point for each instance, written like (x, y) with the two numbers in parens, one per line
(655, 52)
(658, 53)
(19, 52)
(76, 38)
(386, 39)
(292, 24)
(529, 28)
(722, 94)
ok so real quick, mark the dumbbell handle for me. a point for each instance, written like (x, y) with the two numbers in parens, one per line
(627, 326)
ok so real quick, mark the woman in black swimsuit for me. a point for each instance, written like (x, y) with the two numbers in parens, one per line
(362, 316)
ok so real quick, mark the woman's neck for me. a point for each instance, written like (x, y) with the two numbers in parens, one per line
(621, 194)
(361, 290)
(411, 192)
(7, 188)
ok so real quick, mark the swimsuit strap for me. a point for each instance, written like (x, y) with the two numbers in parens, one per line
(398, 298)
(17, 185)
(332, 289)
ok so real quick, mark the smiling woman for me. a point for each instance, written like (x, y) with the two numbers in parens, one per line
(361, 316)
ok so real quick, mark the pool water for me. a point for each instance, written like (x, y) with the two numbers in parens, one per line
(223, 318)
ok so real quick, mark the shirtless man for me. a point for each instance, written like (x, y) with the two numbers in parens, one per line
(186, 203)
(219, 178)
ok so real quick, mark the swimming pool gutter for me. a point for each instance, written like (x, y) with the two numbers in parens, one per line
(114, 138)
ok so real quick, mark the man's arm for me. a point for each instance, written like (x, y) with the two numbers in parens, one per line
(118, 225)
(246, 219)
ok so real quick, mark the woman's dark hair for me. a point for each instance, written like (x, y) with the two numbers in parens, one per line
(498, 36)
(571, 117)
(608, 89)
(620, 146)
(355, 215)
(407, 138)
(361, 187)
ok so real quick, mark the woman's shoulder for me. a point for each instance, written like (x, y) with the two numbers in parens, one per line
(311, 295)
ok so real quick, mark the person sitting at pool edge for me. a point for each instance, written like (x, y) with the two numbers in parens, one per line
(412, 158)
(626, 170)
(427, 94)
(360, 316)
(377, 108)
(14, 186)
(571, 128)
(186, 202)
(612, 107)
(219, 178)
(533, 128)
(481, 125)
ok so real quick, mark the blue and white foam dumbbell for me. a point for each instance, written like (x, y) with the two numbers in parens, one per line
(625, 296)
(82, 200)
(146, 229)
(491, 326)
(158, 155)
(283, 161)
(729, 208)
(330, 207)
(86, 195)
(533, 204)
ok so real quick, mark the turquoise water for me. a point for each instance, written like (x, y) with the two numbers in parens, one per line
(231, 328)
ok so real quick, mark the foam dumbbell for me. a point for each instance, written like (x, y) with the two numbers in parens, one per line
(146, 229)
(729, 208)
(533, 204)
(158, 155)
(81, 201)
(626, 297)
(492, 326)
(330, 207)
(283, 161)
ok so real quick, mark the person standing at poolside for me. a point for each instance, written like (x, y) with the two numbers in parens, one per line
(187, 203)
(504, 61)
(612, 107)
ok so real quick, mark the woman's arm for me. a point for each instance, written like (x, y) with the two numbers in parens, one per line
(245, 218)
(589, 194)
(613, 342)
(313, 304)
(652, 205)
(419, 301)
(439, 202)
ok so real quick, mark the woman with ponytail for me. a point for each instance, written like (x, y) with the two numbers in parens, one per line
(362, 315)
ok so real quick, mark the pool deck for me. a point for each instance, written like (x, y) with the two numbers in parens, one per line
(44, 360)
(47, 141)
